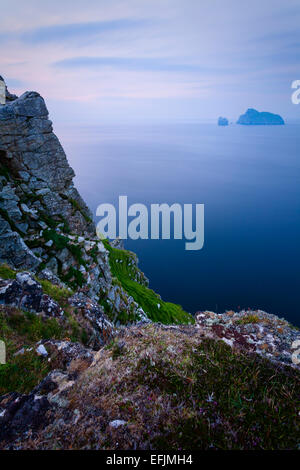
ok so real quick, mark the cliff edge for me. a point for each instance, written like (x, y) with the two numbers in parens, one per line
(90, 357)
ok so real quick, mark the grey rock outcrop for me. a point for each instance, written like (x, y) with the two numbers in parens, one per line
(26, 293)
(37, 161)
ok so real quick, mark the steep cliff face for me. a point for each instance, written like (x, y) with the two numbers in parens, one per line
(33, 154)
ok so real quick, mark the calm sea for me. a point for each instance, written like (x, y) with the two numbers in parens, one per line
(248, 179)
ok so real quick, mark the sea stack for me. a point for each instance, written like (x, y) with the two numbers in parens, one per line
(222, 121)
(252, 117)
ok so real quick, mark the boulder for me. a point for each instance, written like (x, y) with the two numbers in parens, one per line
(26, 293)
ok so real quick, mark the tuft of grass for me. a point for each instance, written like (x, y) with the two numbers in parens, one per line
(251, 318)
(77, 253)
(59, 294)
(33, 327)
(6, 272)
(23, 373)
(20, 329)
(48, 220)
(73, 278)
(60, 241)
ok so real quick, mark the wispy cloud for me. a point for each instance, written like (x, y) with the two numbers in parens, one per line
(128, 63)
(76, 32)
(151, 64)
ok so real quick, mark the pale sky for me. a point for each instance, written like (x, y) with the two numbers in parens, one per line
(116, 60)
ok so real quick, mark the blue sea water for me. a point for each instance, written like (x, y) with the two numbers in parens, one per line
(248, 179)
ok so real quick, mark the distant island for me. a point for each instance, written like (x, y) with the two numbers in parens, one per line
(222, 121)
(254, 117)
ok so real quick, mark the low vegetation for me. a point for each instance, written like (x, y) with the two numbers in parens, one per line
(175, 391)
(249, 319)
(125, 270)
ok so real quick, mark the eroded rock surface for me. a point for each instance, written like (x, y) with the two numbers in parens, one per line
(254, 331)
(26, 293)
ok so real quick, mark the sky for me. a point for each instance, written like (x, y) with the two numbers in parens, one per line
(100, 61)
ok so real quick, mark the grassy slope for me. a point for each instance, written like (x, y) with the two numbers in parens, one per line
(156, 309)
(19, 329)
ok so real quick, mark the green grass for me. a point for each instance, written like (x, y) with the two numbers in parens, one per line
(6, 272)
(20, 329)
(156, 309)
(60, 295)
(31, 326)
(48, 220)
(23, 373)
(60, 241)
(73, 278)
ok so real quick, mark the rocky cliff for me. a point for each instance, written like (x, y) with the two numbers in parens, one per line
(97, 360)
(46, 227)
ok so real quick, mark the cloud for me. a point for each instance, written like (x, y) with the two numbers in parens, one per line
(79, 31)
(149, 64)
(128, 63)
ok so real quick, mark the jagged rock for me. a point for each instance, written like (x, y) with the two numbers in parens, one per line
(26, 293)
(14, 251)
(19, 412)
(9, 96)
(118, 243)
(32, 152)
(52, 265)
(68, 354)
(41, 350)
(95, 314)
(48, 275)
